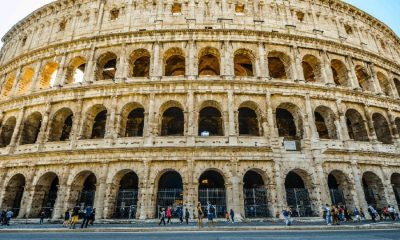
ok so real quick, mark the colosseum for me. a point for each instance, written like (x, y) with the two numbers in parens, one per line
(255, 105)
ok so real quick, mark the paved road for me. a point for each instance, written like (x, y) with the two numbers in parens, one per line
(259, 235)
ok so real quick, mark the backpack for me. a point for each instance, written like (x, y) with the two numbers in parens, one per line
(212, 209)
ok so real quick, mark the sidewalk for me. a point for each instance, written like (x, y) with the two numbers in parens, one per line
(31, 225)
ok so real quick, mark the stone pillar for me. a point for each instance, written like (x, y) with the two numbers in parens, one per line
(27, 196)
(110, 125)
(122, 66)
(61, 73)
(271, 117)
(342, 121)
(227, 68)
(191, 63)
(190, 124)
(395, 93)
(110, 200)
(18, 127)
(393, 126)
(370, 123)
(278, 194)
(359, 199)
(232, 118)
(327, 69)
(101, 192)
(374, 78)
(100, 16)
(237, 196)
(3, 176)
(77, 121)
(190, 193)
(388, 187)
(16, 81)
(310, 116)
(36, 77)
(297, 68)
(322, 188)
(42, 132)
(128, 16)
(352, 74)
(261, 71)
(88, 75)
(143, 202)
(156, 67)
(149, 134)
(62, 197)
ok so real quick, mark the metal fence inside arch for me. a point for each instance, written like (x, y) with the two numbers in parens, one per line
(298, 201)
(255, 202)
(169, 197)
(126, 204)
(337, 196)
(86, 198)
(216, 196)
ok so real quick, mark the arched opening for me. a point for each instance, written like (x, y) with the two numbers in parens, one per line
(395, 181)
(174, 62)
(61, 126)
(374, 190)
(278, 65)
(172, 122)
(210, 122)
(209, 62)
(356, 126)
(25, 81)
(170, 191)
(45, 195)
(8, 85)
(127, 197)
(14, 192)
(135, 123)
(255, 195)
(31, 128)
(337, 196)
(382, 129)
(311, 68)
(212, 189)
(363, 78)
(248, 122)
(96, 119)
(7, 131)
(49, 74)
(340, 74)
(243, 63)
(397, 122)
(83, 190)
(140, 63)
(76, 70)
(106, 66)
(384, 83)
(397, 85)
(325, 123)
(289, 122)
(297, 195)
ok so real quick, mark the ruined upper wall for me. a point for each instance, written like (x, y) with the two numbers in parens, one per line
(67, 20)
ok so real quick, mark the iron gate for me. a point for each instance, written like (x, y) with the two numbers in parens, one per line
(86, 198)
(298, 200)
(370, 196)
(48, 203)
(126, 204)
(216, 196)
(337, 197)
(255, 202)
(396, 191)
(169, 197)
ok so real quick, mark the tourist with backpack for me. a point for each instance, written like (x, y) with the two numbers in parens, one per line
(210, 214)
(287, 216)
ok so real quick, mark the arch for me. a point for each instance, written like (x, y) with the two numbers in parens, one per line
(340, 189)
(127, 195)
(395, 181)
(363, 78)
(48, 75)
(61, 125)
(384, 83)
(83, 190)
(212, 189)
(45, 195)
(397, 122)
(96, 119)
(25, 81)
(279, 65)
(76, 70)
(139, 62)
(243, 61)
(248, 122)
(8, 85)
(397, 85)
(106, 66)
(170, 190)
(382, 128)
(132, 120)
(209, 62)
(210, 122)
(174, 62)
(289, 121)
(297, 185)
(374, 190)
(255, 195)
(7, 131)
(340, 73)
(14, 192)
(311, 68)
(173, 122)
(325, 122)
(31, 128)
(356, 126)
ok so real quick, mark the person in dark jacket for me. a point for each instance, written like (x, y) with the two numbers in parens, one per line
(232, 213)
(92, 217)
(187, 216)
(86, 216)
(42, 216)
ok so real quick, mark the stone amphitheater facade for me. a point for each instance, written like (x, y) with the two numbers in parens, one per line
(254, 105)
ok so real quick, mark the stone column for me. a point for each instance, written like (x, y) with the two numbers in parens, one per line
(36, 76)
(359, 200)
(297, 68)
(191, 63)
(310, 116)
(144, 188)
(279, 201)
(352, 74)
(387, 187)
(3, 176)
(88, 75)
(110, 125)
(122, 68)
(236, 197)
(231, 118)
(322, 188)
(18, 127)
(374, 78)
(128, 16)
(77, 121)
(61, 73)
(62, 197)
(190, 195)
(27, 196)
(101, 192)
(261, 71)
(190, 124)
(271, 117)
(227, 68)
(149, 134)
(395, 93)
(342, 121)
(100, 16)
(393, 126)
(42, 132)
(327, 69)
(370, 123)
(156, 67)
(16, 81)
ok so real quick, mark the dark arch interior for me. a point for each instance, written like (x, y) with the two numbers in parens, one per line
(141, 67)
(135, 123)
(293, 180)
(109, 69)
(276, 68)
(210, 121)
(332, 182)
(321, 126)
(211, 179)
(90, 183)
(14, 192)
(248, 122)
(7, 131)
(129, 181)
(31, 129)
(356, 126)
(175, 66)
(99, 125)
(209, 65)
(172, 122)
(171, 179)
(285, 123)
(252, 180)
(243, 65)
(382, 129)
(66, 128)
(308, 71)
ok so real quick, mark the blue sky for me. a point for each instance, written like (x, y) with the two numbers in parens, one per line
(387, 11)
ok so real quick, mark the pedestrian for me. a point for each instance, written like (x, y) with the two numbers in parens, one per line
(168, 214)
(67, 217)
(92, 217)
(180, 214)
(74, 217)
(286, 215)
(86, 217)
(334, 215)
(392, 212)
(227, 217)
(357, 215)
(362, 214)
(200, 215)
(328, 215)
(232, 213)
(210, 214)
(3, 217)
(372, 213)
(386, 212)
(187, 216)
(42, 216)
(162, 216)
(9, 215)
(347, 215)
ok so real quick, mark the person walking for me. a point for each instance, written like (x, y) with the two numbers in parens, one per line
(347, 215)
(362, 214)
(162, 216)
(357, 215)
(86, 216)
(327, 213)
(392, 213)
(187, 216)
(169, 215)
(200, 215)
(3, 217)
(372, 213)
(180, 214)
(42, 216)
(74, 217)
(92, 217)
(9, 215)
(210, 214)
(286, 215)
(232, 213)
(67, 217)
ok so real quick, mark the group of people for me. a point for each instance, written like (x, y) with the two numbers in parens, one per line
(165, 216)
(71, 218)
(5, 217)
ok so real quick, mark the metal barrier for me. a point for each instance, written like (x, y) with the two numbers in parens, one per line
(216, 196)
(298, 200)
(337, 196)
(126, 204)
(169, 197)
(255, 202)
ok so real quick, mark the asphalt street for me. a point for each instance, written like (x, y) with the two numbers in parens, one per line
(248, 235)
